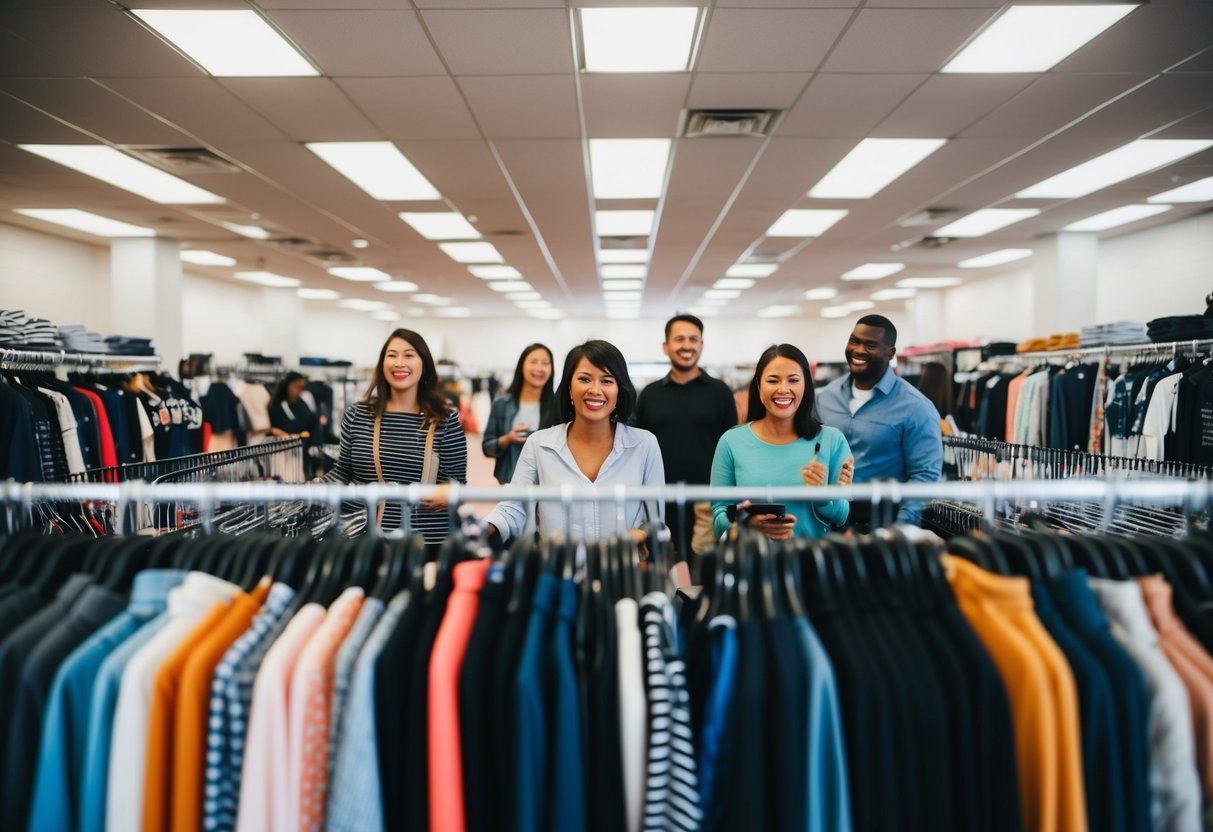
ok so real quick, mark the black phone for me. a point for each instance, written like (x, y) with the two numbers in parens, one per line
(776, 509)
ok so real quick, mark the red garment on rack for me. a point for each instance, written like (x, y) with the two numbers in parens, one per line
(109, 454)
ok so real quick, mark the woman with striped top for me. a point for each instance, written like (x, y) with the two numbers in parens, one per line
(406, 398)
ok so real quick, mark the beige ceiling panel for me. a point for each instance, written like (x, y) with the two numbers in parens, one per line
(1051, 102)
(19, 57)
(1198, 126)
(1154, 37)
(770, 40)
(846, 105)
(21, 123)
(633, 106)
(520, 42)
(199, 106)
(904, 40)
(413, 108)
(525, 106)
(330, 5)
(306, 109)
(788, 4)
(467, 174)
(933, 4)
(368, 44)
(946, 104)
(742, 91)
(1163, 101)
(100, 43)
(96, 110)
(1202, 62)
(489, 4)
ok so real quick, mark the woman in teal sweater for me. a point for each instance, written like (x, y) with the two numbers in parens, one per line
(783, 443)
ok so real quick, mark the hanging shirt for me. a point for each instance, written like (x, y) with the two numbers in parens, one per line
(567, 810)
(827, 795)
(533, 705)
(67, 428)
(343, 670)
(718, 724)
(632, 708)
(1159, 420)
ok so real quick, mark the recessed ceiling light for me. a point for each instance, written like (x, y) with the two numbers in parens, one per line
(985, 221)
(379, 168)
(1199, 191)
(623, 223)
(364, 274)
(1115, 217)
(454, 312)
(836, 312)
(533, 304)
(318, 294)
(778, 311)
(386, 315)
(859, 305)
(821, 293)
(805, 222)
(253, 232)
(751, 270)
(928, 282)
(704, 311)
(397, 286)
(232, 43)
(623, 255)
(995, 258)
(523, 296)
(361, 305)
(122, 171)
(734, 283)
(722, 294)
(894, 294)
(549, 314)
(615, 284)
(495, 272)
(871, 165)
(360, 244)
(89, 223)
(273, 281)
(471, 252)
(638, 39)
(207, 258)
(873, 271)
(511, 286)
(1034, 38)
(1132, 159)
(441, 225)
(432, 300)
(621, 296)
(623, 270)
(628, 168)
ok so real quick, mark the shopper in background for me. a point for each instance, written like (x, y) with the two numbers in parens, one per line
(592, 444)
(783, 443)
(384, 437)
(528, 406)
(688, 411)
(290, 416)
(892, 428)
(936, 384)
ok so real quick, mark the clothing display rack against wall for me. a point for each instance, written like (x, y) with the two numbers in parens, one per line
(1121, 352)
(47, 360)
(280, 460)
(981, 459)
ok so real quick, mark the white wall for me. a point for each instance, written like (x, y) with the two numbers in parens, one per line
(1166, 270)
(220, 318)
(998, 308)
(64, 281)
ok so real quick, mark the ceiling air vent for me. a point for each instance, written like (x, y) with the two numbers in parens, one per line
(922, 242)
(330, 257)
(728, 123)
(184, 160)
(928, 217)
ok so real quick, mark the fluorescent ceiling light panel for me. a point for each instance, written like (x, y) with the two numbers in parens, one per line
(995, 258)
(859, 305)
(929, 282)
(628, 168)
(495, 272)
(207, 258)
(752, 270)
(386, 315)
(623, 255)
(778, 311)
(471, 252)
(1132, 159)
(1035, 38)
(619, 285)
(822, 293)
(623, 223)
(511, 286)
(363, 274)
(379, 168)
(361, 305)
(441, 225)
(985, 221)
(122, 171)
(805, 222)
(835, 312)
(873, 271)
(318, 294)
(1117, 216)
(253, 232)
(621, 296)
(722, 294)
(894, 294)
(533, 304)
(229, 43)
(704, 311)
(1199, 191)
(871, 165)
(360, 244)
(454, 312)
(638, 39)
(89, 223)
(432, 300)
(523, 296)
(623, 270)
(397, 286)
(734, 283)
(273, 281)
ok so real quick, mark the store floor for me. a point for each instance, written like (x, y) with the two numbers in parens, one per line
(480, 471)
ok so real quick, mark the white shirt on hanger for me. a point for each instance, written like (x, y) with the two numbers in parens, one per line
(1160, 417)
(68, 429)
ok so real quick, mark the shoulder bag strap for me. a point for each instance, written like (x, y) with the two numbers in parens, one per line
(378, 465)
(429, 471)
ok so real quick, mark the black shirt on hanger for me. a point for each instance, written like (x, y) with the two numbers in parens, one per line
(478, 727)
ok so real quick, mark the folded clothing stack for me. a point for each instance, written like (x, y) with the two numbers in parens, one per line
(23, 332)
(1180, 328)
(1115, 334)
(1033, 345)
(1064, 341)
(78, 338)
(999, 348)
(124, 345)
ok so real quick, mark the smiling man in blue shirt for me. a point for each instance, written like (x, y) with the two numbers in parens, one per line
(893, 430)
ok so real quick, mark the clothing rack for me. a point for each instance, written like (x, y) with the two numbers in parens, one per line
(1131, 352)
(1034, 462)
(280, 459)
(43, 360)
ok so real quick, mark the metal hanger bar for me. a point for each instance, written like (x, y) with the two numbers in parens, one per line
(32, 360)
(1171, 347)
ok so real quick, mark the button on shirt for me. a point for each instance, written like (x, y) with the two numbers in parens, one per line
(895, 436)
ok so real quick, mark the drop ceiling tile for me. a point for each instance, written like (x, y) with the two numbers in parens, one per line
(1052, 101)
(1166, 99)
(1202, 62)
(1198, 126)
(525, 106)
(769, 40)
(23, 124)
(94, 109)
(846, 105)
(741, 91)
(904, 40)
(1152, 38)
(633, 106)
(946, 104)
(465, 172)
(489, 4)
(306, 109)
(933, 4)
(787, 4)
(19, 57)
(413, 108)
(199, 106)
(519, 42)
(327, 5)
(369, 43)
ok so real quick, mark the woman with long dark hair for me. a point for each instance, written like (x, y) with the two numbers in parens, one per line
(526, 407)
(783, 443)
(385, 437)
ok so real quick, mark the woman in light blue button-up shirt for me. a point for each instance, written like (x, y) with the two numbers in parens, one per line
(592, 445)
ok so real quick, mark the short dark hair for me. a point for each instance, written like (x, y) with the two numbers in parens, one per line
(806, 422)
(606, 357)
(546, 396)
(881, 322)
(687, 318)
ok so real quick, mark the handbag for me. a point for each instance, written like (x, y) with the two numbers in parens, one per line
(429, 468)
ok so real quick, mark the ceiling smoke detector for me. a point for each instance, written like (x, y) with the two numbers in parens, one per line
(729, 123)
(183, 160)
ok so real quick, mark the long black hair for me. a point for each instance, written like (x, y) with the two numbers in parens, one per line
(606, 357)
(547, 397)
(434, 404)
(283, 387)
(806, 423)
